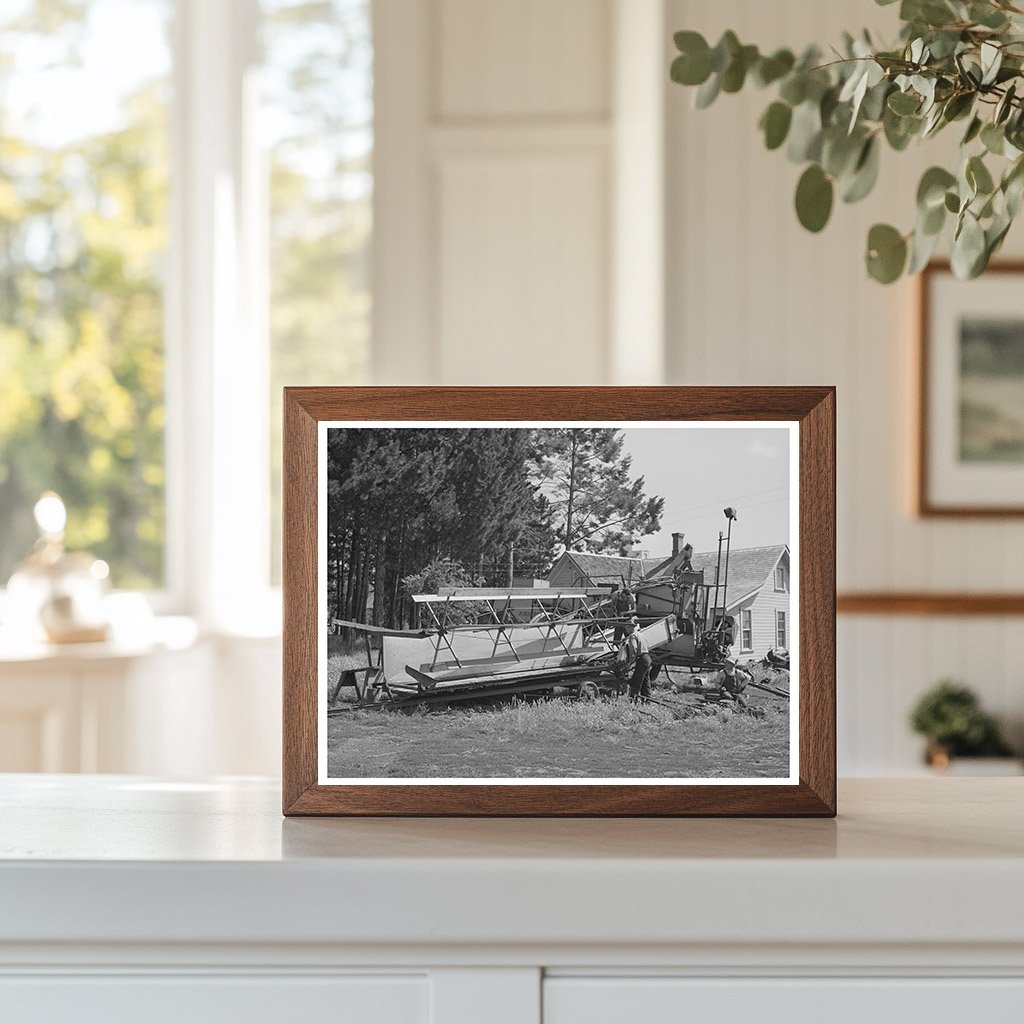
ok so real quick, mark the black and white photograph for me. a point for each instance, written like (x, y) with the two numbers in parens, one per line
(544, 602)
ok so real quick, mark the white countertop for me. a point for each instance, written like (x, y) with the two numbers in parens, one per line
(120, 859)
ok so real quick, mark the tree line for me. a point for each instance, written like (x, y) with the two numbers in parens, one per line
(411, 510)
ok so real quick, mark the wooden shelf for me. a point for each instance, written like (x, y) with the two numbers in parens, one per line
(928, 603)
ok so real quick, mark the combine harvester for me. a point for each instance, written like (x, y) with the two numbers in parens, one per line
(540, 641)
(521, 641)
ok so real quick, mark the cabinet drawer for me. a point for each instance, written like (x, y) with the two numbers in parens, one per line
(202, 999)
(660, 1000)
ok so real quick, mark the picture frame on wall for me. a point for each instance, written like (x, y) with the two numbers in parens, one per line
(970, 385)
(559, 601)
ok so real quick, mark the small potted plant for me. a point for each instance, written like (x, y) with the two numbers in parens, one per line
(950, 718)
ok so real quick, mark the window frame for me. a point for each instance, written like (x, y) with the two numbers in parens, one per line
(782, 619)
(215, 328)
(746, 628)
(781, 574)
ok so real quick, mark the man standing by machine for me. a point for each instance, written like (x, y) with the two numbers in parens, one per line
(624, 608)
(638, 656)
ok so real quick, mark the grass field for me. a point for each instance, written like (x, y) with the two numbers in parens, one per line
(563, 738)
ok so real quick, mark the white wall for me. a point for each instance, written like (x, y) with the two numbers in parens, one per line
(508, 134)
(551, 210)
(753, 298)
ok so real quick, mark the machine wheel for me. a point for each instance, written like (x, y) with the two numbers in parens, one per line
(588, 691)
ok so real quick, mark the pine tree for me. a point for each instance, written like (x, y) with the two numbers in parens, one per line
(585, 475)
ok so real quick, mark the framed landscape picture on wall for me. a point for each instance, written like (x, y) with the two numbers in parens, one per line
(559, 601)
(970, 450)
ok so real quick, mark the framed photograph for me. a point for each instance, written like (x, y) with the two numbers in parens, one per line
(559, 601)
(970, 450)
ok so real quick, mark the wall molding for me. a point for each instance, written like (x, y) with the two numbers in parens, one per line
(917, 603)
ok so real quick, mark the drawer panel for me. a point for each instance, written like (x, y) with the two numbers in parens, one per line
(782, 1001)
(202, 999)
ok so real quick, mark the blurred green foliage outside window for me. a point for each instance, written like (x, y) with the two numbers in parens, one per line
(317, 87)
(85, 109)
(83, 236)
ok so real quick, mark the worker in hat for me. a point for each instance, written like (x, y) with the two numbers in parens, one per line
(638, 651)
(732, 680)
(623, 608)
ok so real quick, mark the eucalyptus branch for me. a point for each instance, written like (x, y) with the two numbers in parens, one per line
(955, 61)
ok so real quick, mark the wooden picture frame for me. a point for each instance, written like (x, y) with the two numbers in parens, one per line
(935, 478)
(810, 791)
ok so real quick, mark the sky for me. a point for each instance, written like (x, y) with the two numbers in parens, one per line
(701, 470)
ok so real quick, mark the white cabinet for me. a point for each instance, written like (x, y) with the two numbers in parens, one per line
(126, 899)
(202, 999)
(829, 1000)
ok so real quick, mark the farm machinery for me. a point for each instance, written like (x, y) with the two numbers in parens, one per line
(477, 643)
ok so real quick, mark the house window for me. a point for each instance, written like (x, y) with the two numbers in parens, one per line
(746, 630)
(780, 579)
(781, 633)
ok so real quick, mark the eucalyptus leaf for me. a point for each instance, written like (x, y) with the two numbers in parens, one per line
(724, 51)
(840, 152)
(904, 103)
(931, 190)
(775, 124)
(991, 60)
(805, 133)
(707, 93)
(794, 88)
(933, 122)
(688, 69)
(886, 253)
(987, 15)
(944, 44)
(873, 106)
(922, 248)
(900, 130)
(925, 87)
(968, 248)
(932, 220)
(958, 105)
(865, 173)
(1014, 192)
(814, 196)
(993, 138)
(1005, 105)
(1013, 187)
(827, 106)
(973, 130)
(735, 74)
(978, 176)
(771, 69)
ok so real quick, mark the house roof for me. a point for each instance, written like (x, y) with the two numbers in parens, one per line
(748, 568)
(609, 568)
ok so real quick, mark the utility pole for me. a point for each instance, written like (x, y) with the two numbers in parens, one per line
(730, 514)
(718, 573)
